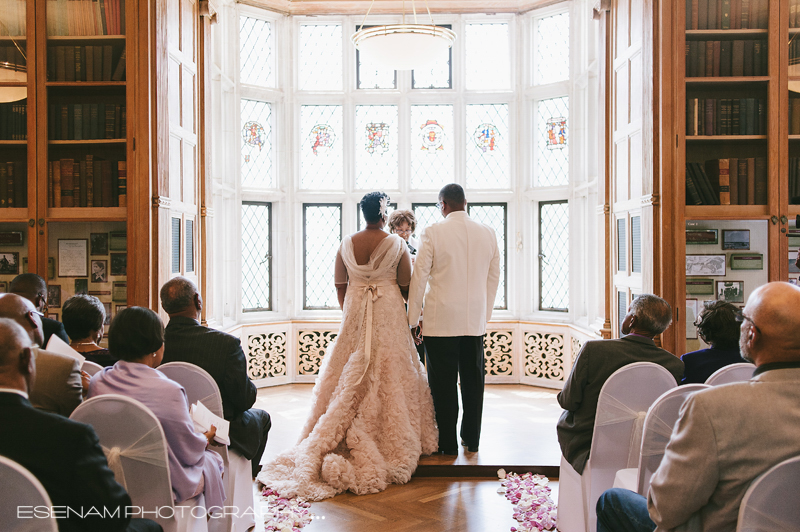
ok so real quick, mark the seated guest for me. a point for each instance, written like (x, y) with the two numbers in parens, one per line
(65, 456)
(726, 436)
(221, 355)
(717, 326)
(59, 383)
(83, 318)
(648, 316)
(34, 289)
(136, 339)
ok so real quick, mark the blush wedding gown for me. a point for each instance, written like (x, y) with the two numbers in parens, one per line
(372, 413)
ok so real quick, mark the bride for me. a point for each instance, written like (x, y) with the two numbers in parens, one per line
(372, 414)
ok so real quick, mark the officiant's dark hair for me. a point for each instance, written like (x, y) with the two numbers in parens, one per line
(452, 194)
(371, 206)
(82, 315)
(134, 333)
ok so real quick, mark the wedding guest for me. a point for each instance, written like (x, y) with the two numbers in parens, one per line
(34, 289)
(136, 338)
(65, 456)
(717, 326)
(403, 223)
(83, 317)
(221, 355)
(647, 317)
(726, 436)
(60, 383)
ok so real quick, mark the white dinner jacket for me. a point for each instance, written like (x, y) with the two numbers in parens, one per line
(459, 261)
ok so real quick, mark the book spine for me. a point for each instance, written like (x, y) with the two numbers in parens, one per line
(724, 183)
(745, 18)
(737, 58)
(761, 181)
(79, 184)
(748, 69)
(742, 175)
(94, 121)
(50, 185)
(695, 14)
(88, 53)
(734, 116)
(726, 15)
(88, 171)
(716, 60)
(122, 172)
(702, 20)
(108, 197)
(709, 117)
(701, 58)
(3, 189)
(725, 58)
(87, 121)
(56, 183)
(733, 179)
(692, 195)
(67, 187)
(10, 200)
(97, 172)
(21, 180)
(751, 181)
(77, 130)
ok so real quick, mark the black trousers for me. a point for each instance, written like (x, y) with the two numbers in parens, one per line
(249, 433)
(451, 357)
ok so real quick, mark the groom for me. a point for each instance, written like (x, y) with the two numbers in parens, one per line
(459, 259)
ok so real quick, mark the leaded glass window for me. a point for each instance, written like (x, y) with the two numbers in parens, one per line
(554, 256)
(320, 65)
(321, 150)
(494, 215)
(256, 136)
(551, 49)
(376, 147)
(373, 76)
(255, 52)
(488, 148)
(322, 235)
(432, 146)
(256, 256)
(551, 166)
(362, 224)
(426, 214)
(438, 75)
(488, 60)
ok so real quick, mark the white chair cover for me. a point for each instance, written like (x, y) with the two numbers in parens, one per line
(772, 502)
(19, 487)
(91, 367)
(740, 372)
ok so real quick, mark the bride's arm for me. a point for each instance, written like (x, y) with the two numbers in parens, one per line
(404, 272)
(340, 278)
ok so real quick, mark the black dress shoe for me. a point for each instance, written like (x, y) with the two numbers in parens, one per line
(449, 452)
(470, 448)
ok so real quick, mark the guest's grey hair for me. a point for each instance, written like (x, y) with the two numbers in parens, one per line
(177, 294)
(653, 314)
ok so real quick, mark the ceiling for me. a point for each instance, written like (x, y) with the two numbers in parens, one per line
(360, 7)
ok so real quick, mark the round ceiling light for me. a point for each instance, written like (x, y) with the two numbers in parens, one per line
(403, 46)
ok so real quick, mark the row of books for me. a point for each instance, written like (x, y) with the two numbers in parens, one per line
(89, 182)
(726, 58)
(794, 180)
(741, 181)
(13, 184)
(14, 120)
(85, 17)
(84, 121)
(726, 116)
(85, 63)
(14, 18)
(727, 14)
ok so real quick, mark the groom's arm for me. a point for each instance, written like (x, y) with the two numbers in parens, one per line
(419, 278)
(493, 280)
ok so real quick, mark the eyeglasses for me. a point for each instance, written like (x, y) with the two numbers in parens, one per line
(404, 232)
(439, 205)
(741, 318)
(41, 315)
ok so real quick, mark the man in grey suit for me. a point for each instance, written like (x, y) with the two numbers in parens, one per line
(726, 436)
(648, 316)
(34, 289)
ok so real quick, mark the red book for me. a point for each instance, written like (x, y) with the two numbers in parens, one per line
(67, 185)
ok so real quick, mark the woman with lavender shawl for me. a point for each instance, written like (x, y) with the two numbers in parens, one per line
(136, 338)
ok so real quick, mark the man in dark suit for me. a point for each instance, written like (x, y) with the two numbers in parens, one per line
(34, 289)
(648, 316)
(221, 355)
(65, 456)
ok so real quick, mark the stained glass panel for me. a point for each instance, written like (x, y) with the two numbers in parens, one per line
(256, 136)
(376, 147)
(552, 143)
(554, 256)
(321, 147)
(426, 214)
(438, 75)
(320, 65)
(256, 256)
(255, 52)
(487, 146)
(362, 224)
(431, 146)
(494, 216)
(322, 232)
(488, 57)
(372, 76)
(551, 50)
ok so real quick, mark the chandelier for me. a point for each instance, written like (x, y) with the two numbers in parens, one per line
(14, 71)
(403, 46)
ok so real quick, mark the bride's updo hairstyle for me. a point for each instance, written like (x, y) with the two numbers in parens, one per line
(371, 206)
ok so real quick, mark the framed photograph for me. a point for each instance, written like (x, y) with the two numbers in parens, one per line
(51, 268)
(24, 264)
(700, 287)
(119, 264)
(793, 281)
(9, 262)
(119, 308)
(747, 261)
(52, 315)
(54, 295)
(107, 306)
(99, 271)
(118, 241)
(98, 243)
(691, 315)
(736, 239)
(11, 238)
(705, 265)
(702, 236)
(794, 238)
(120, 291)
(73, 258)
(3, 287)
(730, 291)
(793, 263)
(81, 286)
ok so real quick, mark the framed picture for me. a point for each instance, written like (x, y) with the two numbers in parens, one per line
(691, 315)
(730, 291)
(11, 238)
(24, 264)
(98, 243)
(119, 308)
(747, 261)
(119, 264)
(81, 286)
(120, 291)
(736, 239)
(52, 315)
(9, 262)
(793, 263)
(3, 287)
(99, 271)
(702, 236)
(51, 268)
(118, 241)
(73, 258)
(700, 287)
(54, 295)
(793, 281)
(794, 238)
(705, 265)
(107, 306)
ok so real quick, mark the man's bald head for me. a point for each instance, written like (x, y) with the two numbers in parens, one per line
(769, 331)
(22, 311)
(179, 297)
(30, 286)
(16, 361)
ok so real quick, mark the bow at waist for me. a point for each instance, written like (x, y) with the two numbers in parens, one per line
(372, 291)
